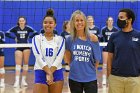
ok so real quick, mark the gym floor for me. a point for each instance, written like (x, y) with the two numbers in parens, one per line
(10, 77)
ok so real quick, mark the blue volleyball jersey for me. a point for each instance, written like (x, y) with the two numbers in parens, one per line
(2, 40)
(125, 47)
(82, 66)
(2, 37)
(106, 33)
(65, 34)
(22, 35)
(95, 31)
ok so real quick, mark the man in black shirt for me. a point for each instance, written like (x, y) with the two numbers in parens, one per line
(123, 66)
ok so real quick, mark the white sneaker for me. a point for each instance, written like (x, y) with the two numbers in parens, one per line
(104, 82)
(16, 84)
(2, 85)
(24, 83)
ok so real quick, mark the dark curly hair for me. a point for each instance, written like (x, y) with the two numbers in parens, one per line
(129, 14)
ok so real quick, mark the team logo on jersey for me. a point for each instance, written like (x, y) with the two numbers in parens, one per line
(108, 33)
(135, 39)
(93, 31)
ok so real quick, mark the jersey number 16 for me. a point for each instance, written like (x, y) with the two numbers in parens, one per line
(49, 52)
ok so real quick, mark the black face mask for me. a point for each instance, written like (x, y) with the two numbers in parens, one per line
(121, 23)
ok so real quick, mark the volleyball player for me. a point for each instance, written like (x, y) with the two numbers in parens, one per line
(83, 55)
(2, 70)
(54, 31)
(92, 28)
(106, 33)
(42, 31)
(21, 32)
(48, 49)
(66, 29)
(65, 34)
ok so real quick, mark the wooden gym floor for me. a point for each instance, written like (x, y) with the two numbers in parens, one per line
(9, 80)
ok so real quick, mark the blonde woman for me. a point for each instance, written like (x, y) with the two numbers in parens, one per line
(83, 55)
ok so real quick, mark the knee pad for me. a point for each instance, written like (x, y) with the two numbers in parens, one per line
(25, 67)
(67, 67)
(105, 66)
(18, 67)
(2, 71)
